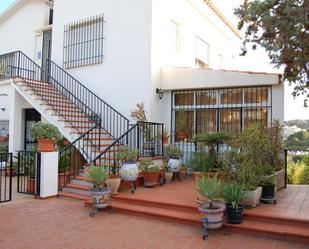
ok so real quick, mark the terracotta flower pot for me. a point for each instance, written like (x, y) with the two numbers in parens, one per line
(215, 216)
(151, 178)
(113, 182)
(181, 135)
(46, 145)
(63, 178)
(31, 185)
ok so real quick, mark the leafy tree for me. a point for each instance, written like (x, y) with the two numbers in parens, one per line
(298, 141)
(281, 27)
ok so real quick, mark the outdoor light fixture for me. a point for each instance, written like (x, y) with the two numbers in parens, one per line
(159, 92)
(2, 109)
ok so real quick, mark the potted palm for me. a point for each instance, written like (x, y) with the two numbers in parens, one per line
(233, 194)
(151, 173)
(129, 170)
(174, 155)
(181, 126)
(201, 163)
(46, 135)
(97, 175)
(213, 208)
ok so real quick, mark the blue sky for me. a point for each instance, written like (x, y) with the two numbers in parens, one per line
(5, 3)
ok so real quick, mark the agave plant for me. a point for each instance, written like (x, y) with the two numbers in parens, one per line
(97, 176)
(233, 194)
(210, 188)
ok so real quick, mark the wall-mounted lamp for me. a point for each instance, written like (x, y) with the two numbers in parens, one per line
(159, 92)
(2, 109)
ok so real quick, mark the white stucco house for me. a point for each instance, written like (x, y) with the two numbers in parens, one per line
(102, 57)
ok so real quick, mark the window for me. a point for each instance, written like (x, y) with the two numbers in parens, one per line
(83, 42)
(174, 35)
(212, 110)
(201, 53)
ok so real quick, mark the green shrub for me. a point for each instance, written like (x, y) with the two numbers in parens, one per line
(42, 130)
(298, 173)
(303, 177)
(233, 194)
(97, 175)
(127, 155)
(201, 162)
(172, 151)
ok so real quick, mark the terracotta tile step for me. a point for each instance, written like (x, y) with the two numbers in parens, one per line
(77, 186)
(274, 218)
(156, 212)
(61, 105)
(74, 196)
(153, 203)
(282, 231)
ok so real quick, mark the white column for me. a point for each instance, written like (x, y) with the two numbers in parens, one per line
(49, 174)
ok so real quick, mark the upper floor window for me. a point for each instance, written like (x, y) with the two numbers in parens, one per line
(174, 35)
(83, 42)
(201, 53)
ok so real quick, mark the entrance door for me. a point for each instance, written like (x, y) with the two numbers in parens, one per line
(46, 52)
(31, 117)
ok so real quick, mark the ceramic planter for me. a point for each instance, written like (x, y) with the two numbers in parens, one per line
(215, 216)
(151, 178)
(129, 171)
(280, 179)
(113, 183)
(234, 215)
(168, 177)
(46, 145)
(100, 198)
(174, 164)
(252, 198)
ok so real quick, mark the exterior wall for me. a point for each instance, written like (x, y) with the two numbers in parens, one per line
(21, 30)
(278, 103)
(195, 19)
(123, 78)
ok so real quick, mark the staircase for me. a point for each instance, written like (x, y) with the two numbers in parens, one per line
(94, 129)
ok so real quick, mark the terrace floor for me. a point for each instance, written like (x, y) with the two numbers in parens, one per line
(291, 202)
(60, 223)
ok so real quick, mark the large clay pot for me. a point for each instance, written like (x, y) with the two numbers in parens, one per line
(101, 198)
(181, 135)
(174, 164)
(129, 171)
(63, 178)
(215, 216)
(151, 178)
(252, 198)
(46, 145)
(113, 182)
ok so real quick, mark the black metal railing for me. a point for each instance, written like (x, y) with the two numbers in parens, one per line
(112, 121)
(28, 172)
(146, 137)
(74, 156)
(6, 172)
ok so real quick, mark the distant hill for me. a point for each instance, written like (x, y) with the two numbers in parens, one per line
(300, 123)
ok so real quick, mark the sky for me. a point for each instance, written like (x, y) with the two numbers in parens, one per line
(293, 107)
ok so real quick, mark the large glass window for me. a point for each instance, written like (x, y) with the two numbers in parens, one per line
(212, 110)
(174, 35)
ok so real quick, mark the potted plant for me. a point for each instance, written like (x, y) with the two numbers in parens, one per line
(268, 184)
(151, 173)
(174, 155)
(129, 170)
(97, 175)
(248, 174)
(165, 136)
(200, 163)
(168, 175)
(181, 126)
(114, 180)
(46, 135)
(233, 194)
(213, 208)
(63, 168)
